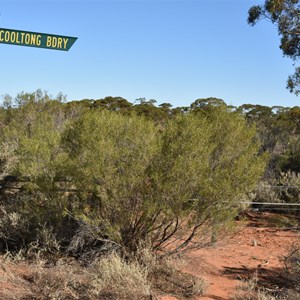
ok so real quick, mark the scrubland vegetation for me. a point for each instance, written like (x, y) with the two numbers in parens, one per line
(122, 188)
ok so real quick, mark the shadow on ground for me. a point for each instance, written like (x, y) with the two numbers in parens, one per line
(273, 280)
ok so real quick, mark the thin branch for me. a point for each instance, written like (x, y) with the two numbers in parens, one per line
(166, 236)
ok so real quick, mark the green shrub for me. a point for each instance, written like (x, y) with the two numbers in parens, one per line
(133, 180)
(139, 182)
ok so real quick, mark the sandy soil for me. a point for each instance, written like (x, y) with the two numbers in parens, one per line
(252, 250)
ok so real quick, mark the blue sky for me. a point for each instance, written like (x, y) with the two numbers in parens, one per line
(171, 51)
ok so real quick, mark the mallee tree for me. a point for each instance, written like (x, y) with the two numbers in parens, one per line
(285, 14)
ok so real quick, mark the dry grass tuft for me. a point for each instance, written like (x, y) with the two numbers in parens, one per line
(108, 277)
(249, 290)
(292, 264)
(128, 279)
(59, 282)
(167, 278)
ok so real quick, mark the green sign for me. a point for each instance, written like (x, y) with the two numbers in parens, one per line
(35, 39)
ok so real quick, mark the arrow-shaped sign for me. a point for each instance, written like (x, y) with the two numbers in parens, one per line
(36, 39)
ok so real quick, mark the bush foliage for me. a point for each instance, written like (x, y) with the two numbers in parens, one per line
(108, 177)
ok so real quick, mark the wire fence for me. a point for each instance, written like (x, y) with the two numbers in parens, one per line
(269, 203)
(13, 183)
(284, 186)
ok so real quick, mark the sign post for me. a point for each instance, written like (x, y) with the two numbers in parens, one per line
(36, 39)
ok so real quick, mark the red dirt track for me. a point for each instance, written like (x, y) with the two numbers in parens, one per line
(252, 250)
